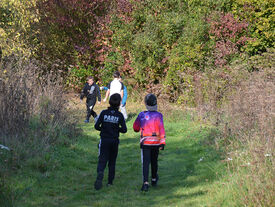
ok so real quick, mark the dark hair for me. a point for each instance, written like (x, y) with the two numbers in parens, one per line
(115, 100)
(116, 74)
(150, 99)
(90, 77)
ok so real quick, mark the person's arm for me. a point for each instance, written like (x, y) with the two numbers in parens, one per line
(107, 94)
(136, 125)
(103, 88)
(121, 90)
(123, 128)
(162, 133)
(124, 96)
(83, 92)
(98, 124)
(98, 94)
(121, 94)
(125, 93)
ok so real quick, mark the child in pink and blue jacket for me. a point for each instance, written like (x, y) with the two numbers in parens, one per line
(152, 138)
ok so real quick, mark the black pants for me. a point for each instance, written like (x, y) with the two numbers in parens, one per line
(108, 150)
(90, 106)
(149, 154)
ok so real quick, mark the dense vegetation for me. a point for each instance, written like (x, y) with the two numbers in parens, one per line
(216, 56)
(171, 43)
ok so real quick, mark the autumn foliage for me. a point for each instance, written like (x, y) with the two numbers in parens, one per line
(229, 35)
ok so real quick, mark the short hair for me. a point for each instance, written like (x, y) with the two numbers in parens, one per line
(90, 77)
(116, 74)
(115, 100)
(150, 99)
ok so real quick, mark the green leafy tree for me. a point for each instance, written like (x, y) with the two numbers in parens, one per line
(260, 14)
(15, 26)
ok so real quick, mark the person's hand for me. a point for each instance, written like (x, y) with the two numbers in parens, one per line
(161, 147)
(104, 100)
(99, 102)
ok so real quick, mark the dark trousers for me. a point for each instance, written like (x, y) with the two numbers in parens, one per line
(108, 150)
(149, 155)
(90, 106)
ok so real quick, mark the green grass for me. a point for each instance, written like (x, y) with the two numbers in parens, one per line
(65, 176)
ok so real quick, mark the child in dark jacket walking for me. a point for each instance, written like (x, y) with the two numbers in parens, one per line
(152, 138)
(110, 123)
(92, 92)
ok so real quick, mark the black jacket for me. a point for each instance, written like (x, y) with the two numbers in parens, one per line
(110, 122)
(91, 92)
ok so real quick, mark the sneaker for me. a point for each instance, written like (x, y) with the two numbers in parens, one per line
(109, 184)
(145, 187)
(98, 184)
(154, 181)
(86, 121)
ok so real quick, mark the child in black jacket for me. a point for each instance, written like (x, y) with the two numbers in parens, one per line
(92, 92)
(110, 123)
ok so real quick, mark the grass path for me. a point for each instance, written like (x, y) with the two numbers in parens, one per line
(65, 176)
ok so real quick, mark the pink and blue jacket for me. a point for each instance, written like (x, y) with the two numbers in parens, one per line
(150, 125)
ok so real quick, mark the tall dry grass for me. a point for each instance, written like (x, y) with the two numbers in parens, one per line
(33, 118)
(33, 112)
(251, 116)
(242, 106)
